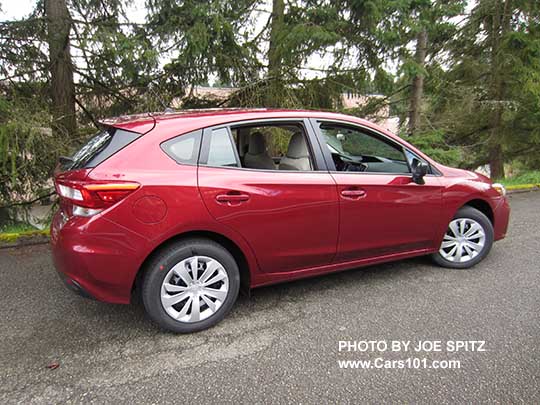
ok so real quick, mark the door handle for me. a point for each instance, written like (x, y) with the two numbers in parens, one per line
(232, 198)
(353, 194)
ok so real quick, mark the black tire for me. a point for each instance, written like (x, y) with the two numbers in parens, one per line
(160, 265)
(485, 223)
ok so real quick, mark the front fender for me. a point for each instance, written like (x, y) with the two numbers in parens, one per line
(466, 192)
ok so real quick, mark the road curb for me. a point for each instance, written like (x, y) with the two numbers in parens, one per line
(522, 188)
(16, 239)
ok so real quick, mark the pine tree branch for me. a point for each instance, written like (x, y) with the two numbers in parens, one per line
(27, 202)
(87, 113)
(103, 85)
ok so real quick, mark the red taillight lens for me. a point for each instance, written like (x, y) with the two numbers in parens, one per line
(113, 195)
(94, 195)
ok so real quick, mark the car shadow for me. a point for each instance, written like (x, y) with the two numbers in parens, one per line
(268, 298)
(373, 275)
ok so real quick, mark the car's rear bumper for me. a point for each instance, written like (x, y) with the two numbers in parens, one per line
(96, 258)
(74, 286)
(501, 217)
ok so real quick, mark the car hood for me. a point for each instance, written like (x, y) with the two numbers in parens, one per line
(466, 174)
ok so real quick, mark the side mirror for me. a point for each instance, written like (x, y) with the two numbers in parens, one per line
(419, 170)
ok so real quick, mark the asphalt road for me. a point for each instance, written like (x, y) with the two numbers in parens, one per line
(281, 345)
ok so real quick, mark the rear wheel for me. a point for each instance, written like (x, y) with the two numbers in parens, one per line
(190, 286)
(467, 240)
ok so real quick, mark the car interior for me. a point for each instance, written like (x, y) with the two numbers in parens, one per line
(273, 147)
(285, 147)
(354, 150)
(257, 156)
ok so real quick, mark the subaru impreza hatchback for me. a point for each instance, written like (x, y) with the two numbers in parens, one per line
(188, 208)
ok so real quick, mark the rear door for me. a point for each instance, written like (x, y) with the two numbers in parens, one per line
(289, 215)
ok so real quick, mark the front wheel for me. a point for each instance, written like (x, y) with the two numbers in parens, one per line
(191, 285)
(467, 240)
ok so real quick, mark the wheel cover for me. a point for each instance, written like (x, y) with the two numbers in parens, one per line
(194, 289)
(463, 241)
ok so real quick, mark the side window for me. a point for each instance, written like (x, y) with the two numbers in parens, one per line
(221, 149)
(184, 149)
(356, 150)
(273, 147)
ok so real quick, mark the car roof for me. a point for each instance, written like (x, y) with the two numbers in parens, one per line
(171, 123)
(143, 123)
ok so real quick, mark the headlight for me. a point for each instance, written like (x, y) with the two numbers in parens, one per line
(500, 188)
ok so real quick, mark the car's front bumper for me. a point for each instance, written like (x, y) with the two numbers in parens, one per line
(501, 218)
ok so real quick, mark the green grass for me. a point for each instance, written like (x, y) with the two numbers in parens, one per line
(531, 178)
(17, 227)
(12, 233)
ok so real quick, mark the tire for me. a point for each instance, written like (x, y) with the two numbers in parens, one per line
(474, 247)
(169, 276)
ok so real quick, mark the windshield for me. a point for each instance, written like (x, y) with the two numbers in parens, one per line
(333, 142)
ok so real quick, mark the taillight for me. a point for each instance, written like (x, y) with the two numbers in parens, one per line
(90, 198)
(111, 193)
(83, 211)
(70, 193)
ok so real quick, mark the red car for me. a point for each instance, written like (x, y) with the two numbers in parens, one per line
(187, 208)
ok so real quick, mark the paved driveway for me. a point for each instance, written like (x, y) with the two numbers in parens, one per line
(281, 345)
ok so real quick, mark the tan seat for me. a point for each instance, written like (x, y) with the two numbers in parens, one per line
(257, 156)
(297, 157)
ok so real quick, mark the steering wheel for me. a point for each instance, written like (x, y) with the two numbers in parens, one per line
(345, 163)
(356, 167)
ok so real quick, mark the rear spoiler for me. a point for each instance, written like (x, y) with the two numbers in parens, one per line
(140, 123)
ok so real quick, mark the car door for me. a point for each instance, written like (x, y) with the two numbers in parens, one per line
(382, 211)
(289, 217)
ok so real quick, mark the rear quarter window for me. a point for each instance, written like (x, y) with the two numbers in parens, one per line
(184, 149)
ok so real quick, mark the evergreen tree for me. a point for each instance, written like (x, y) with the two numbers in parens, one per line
(61, 69)
(203, 39)
(68, 61)
(82, 52)
(487, 101)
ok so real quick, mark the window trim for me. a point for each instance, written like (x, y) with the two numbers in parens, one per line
(433, 172)
(317, 158)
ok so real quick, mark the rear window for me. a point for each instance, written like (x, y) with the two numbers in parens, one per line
(99, 148)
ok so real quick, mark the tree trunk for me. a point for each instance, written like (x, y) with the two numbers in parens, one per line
(500, 25)
(60, 68)
(418, 82)
(496, 162)
(274, 53)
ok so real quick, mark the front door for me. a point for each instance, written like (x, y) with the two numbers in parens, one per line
(262, 180)
(382, 211)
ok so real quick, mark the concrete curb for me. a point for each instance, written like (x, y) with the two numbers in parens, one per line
(522, 188)
(9, 240)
